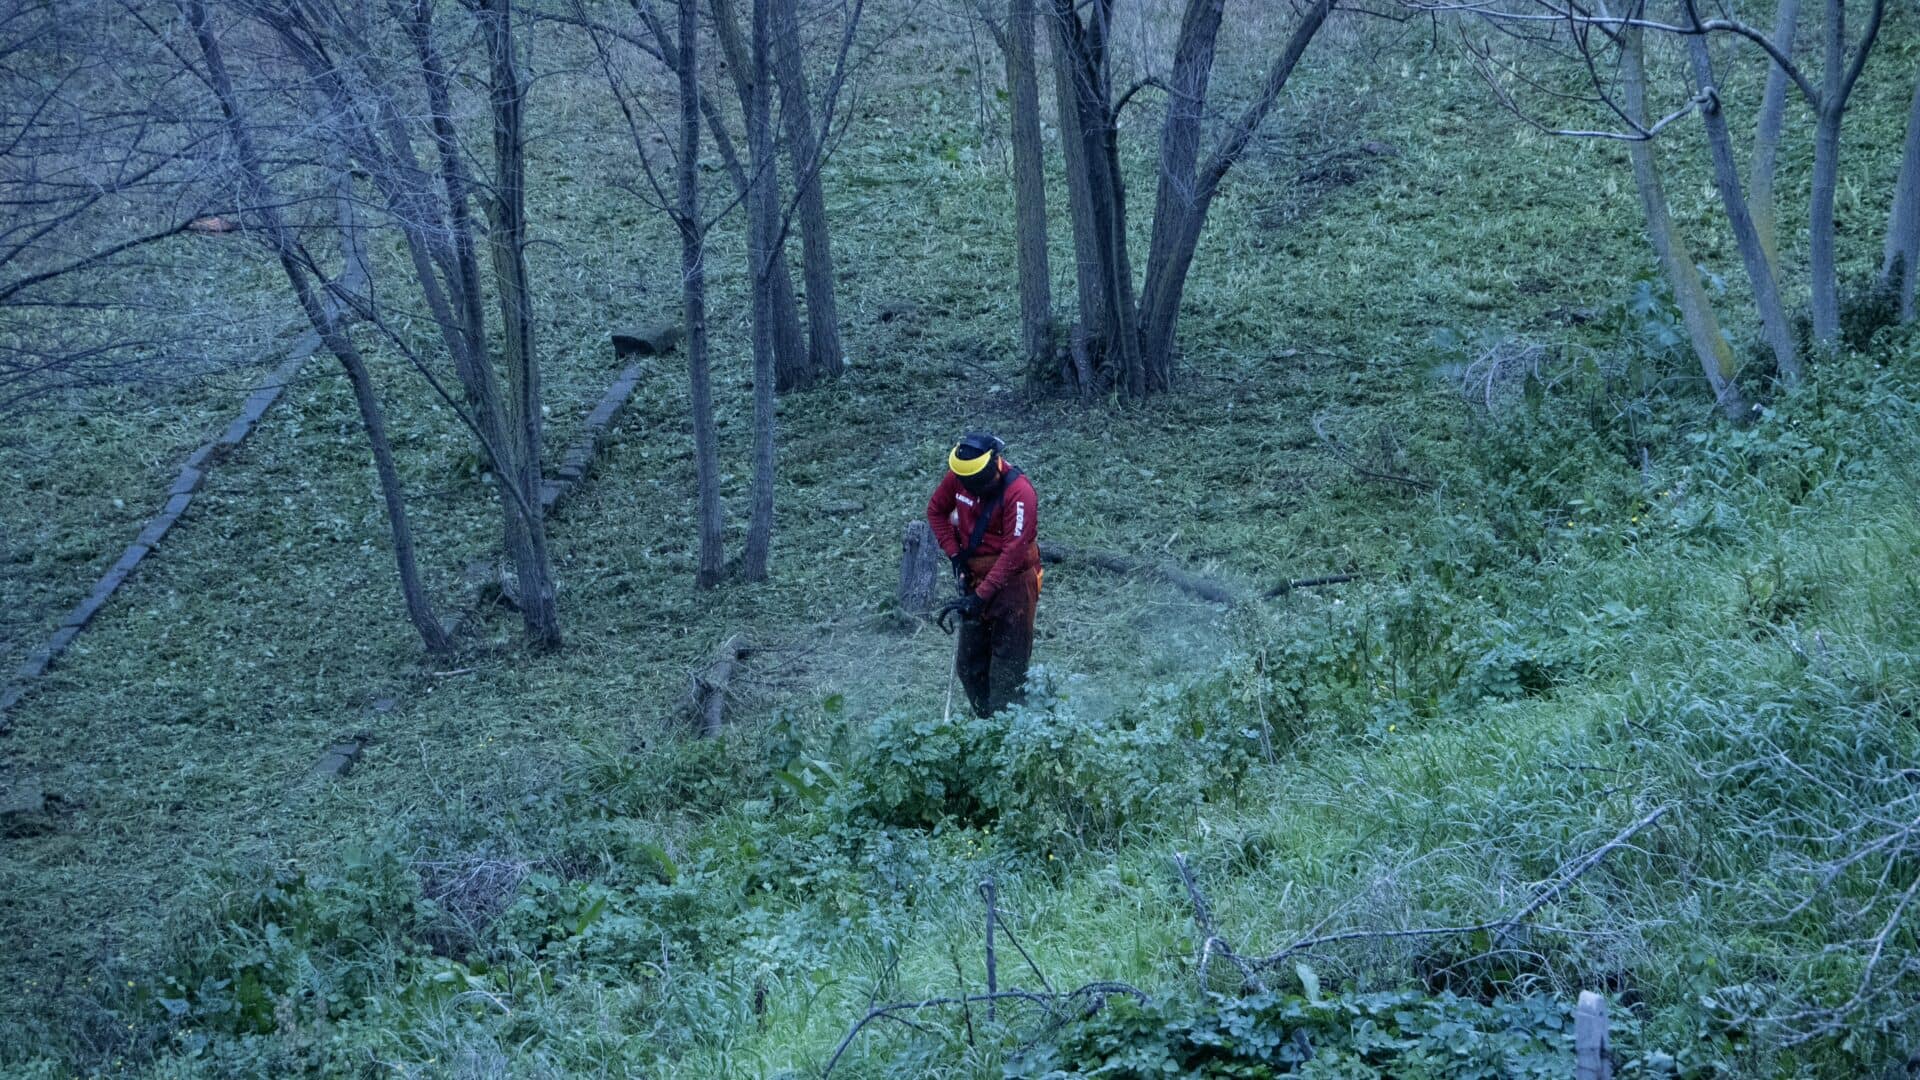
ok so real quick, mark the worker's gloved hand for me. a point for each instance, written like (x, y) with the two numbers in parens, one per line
(961, 607)
(959, 566)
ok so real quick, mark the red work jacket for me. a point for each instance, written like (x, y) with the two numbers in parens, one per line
(1011, 539)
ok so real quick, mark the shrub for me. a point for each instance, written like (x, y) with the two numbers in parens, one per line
(1050, 772)
(1403, 1034)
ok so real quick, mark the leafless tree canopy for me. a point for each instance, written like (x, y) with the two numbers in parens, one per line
(102, 164)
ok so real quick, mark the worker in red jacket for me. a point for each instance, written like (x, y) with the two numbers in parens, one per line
(985, 516)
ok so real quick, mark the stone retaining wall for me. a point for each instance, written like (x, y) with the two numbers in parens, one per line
(179, 498)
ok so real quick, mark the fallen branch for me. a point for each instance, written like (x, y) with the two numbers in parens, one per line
(706, 698)
(1098, 990)
(1352, 460)
(1206, 588)
(1566, 876)
(1094, 994)
(1212, 944)
(1286, 587)
(1128, 565)
(1014, 939)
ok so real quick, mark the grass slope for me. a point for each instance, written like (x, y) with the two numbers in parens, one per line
(741, 927)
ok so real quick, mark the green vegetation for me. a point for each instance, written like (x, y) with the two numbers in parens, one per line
(1595, 602)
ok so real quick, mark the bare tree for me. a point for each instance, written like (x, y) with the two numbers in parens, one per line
(507, 241)
(763, 236)
(1126, 337)
(1726, 178)
(1096, 191)
(354, 59)
(265, 204)
(1842, 65)
(679, 51)
(1029, 191)
(793, 363)
(1766, 135)
(1696, 312)
(1598, 47)
(693, 271)
(1610, 54)
(770, 85)
(1840, 73)
(1901, 252)
(1187, 189)
(824, 358)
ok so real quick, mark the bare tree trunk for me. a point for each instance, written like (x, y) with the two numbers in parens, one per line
(1837, 80)
(1726, 177)
(1187, 187)
(693, 286)
(1766, 134)
(456, 185)
(1703, 330)
(526, 533)
(1902, 248)
(1073, 143)
(456, 311)
(804, 151)
(1110, 209)
(1029, 193)
(1082, 64)
(1826, 180)
(413, 593)
(1179, 205)
(786, 308)
(792, 369)
(440, 242)
(763, 224)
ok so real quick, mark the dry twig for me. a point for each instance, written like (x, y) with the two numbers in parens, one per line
(1555, 885)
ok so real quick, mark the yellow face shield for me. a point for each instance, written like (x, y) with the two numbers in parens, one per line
(966, 466)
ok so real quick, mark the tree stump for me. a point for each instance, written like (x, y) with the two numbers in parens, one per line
(646, 341)
(921, 566)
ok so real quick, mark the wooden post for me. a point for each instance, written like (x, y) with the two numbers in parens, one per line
(1591, 1058)
(921, 566)
(991, 893)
